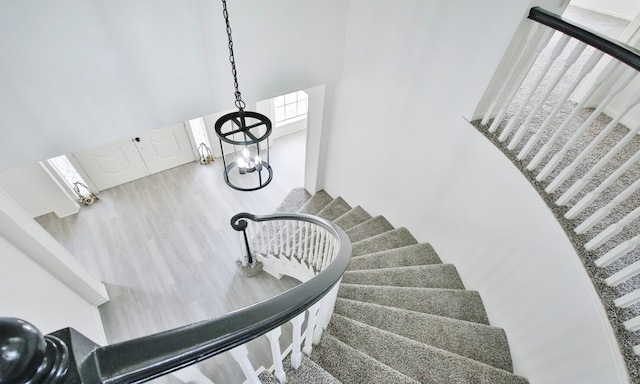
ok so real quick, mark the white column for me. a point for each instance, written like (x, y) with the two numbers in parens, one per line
(241, 355)
(274, 341)
(311, 325)
(296, 344)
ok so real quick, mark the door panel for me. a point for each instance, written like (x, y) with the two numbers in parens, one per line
(119, 162)
(112, 164)
(165, 148)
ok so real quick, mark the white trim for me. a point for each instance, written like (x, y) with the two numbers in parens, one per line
(24, 233)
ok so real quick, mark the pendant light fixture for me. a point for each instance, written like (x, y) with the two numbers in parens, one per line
(244, 138)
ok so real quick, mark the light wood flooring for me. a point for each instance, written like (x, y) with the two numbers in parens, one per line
(164, 248)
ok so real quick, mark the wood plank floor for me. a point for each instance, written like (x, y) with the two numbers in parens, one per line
(165, 250)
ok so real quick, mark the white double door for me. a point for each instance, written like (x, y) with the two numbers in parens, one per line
(119, 162)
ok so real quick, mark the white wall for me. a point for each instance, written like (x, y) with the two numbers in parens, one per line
(33, 294)
(411, 73)
(35, 191)
(623, 9)
(79, 73)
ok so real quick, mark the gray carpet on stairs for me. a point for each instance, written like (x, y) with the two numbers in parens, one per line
(350, 365)
(476, 341)
(422, 362)
(417, 254)
(424, 276)
(401, 315)
(352, 218)
(316, 203)
(455, 303)
(294, 201)
(384, 241)
(334, 209)
(371, 227)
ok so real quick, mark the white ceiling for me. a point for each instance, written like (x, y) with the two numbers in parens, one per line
(78, 73)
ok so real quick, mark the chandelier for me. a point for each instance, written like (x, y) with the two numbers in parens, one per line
(244, 138)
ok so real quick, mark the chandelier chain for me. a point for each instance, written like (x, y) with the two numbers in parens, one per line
(239, 103)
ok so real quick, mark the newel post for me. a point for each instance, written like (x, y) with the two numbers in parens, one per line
(29, 356)
(249, 267)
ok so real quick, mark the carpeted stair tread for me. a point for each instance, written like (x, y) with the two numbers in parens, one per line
(423, 276)
(454, 303)
(352, 218)
(308, 372)
(371, 227)
(422, 362)
(391, 239)
(293, 201)
(475, 341)
(316, 203)
(417, 254)
(352, 366)
(334, 209)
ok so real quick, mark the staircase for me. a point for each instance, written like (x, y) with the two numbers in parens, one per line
(402, 316)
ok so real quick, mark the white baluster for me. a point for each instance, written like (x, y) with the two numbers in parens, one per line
(301, 226)
(281, 229)
(328, 254)
(588, 67)
(520, 78)
(550, 88)
(577, 109)
(623, 275)
(628, 300)
(311, 325)
(275, 247)
(312, 245)
(296, 344)
(287, 226)
(307, 229)
(274, 341)
(633, 324)
(578, 185)
(241, 356)
(562, 42)
(523, 57)
(612, 230)
(324, 313)
(591, 196)
(191, 374)
(589, 148)
(263, 241)
(321, 249)
(617, 252)
(622, 82)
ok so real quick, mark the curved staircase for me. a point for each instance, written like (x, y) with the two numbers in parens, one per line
(402, 316)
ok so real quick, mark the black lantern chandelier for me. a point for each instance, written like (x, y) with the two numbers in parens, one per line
(246, 135)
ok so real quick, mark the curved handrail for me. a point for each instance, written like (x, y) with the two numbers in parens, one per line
(146, 358)
(623, 52)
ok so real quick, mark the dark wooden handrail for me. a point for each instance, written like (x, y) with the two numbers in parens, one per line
(623, 52)
(148, 357)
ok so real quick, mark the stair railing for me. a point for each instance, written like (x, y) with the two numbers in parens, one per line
(536, 117)
(67, 356)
